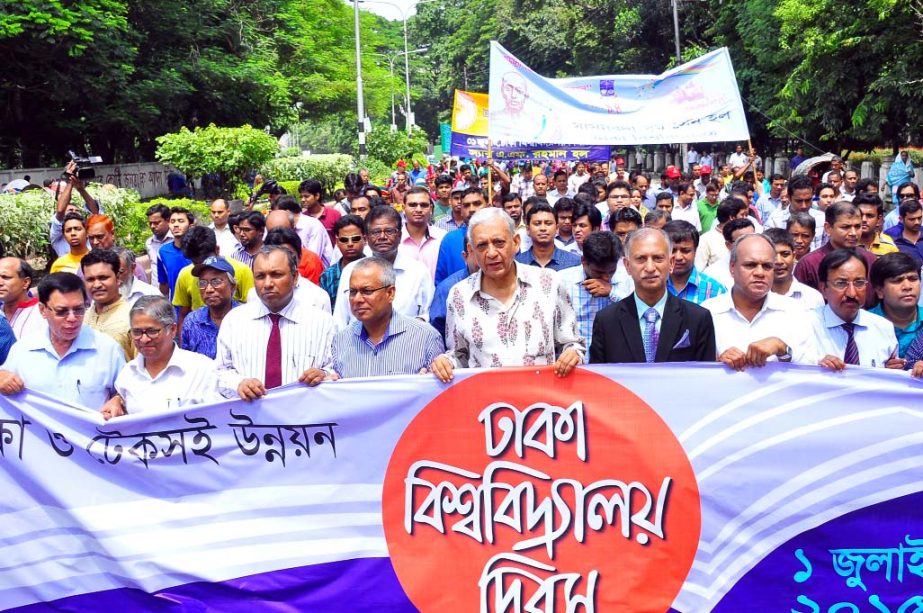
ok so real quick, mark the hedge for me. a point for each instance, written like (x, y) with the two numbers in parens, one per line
(330, 170)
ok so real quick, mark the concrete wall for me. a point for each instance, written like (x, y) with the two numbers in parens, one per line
(148, 178)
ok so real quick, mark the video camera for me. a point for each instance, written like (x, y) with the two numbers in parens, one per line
(85, 170)
(268, 187)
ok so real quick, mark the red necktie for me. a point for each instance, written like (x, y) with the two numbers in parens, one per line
(274, 355)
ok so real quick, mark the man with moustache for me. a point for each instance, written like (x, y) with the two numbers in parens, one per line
(109, 312)
(216, 282)
(450, 260)
(846, 334)
(20, 306)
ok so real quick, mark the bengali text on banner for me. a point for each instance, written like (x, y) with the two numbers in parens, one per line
(689, 488)
(696, 102)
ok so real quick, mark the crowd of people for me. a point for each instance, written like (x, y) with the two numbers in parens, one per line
(484, 265)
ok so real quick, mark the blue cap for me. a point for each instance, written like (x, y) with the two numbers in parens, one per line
(216, 262)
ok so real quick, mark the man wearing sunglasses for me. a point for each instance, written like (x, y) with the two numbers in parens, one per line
(69, 361)
(349, 231)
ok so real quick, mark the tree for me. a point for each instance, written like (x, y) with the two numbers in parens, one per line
(230, 152)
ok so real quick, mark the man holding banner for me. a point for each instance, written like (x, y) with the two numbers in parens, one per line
(507, 314)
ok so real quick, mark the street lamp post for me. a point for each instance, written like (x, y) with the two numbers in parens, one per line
(391, 57)
(360, 103)
(403, 12)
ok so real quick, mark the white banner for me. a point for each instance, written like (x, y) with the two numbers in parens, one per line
(696, 102)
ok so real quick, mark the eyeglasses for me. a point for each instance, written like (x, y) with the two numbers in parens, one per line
(63, 313)
(152, 333)
(842, 284)
(349, 239)
(366, 291)
(619, 197)
(216, 282)
(384, 232)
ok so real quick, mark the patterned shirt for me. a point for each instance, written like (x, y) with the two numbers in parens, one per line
(241, 255)
(408, 346)
(537, 326)
(200, 334)
(699, 288)
(448, 223)
(330, 281)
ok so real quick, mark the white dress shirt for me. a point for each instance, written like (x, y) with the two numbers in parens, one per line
(780, 317)
(152, 247)
(227, 242)
(712, 247)
(874, 336)
(137, 289)
(779, 218)
(805, 295)
(720, 271)
(689, 213)
(306, 292)
(413, 290)
(314, 237)
(307, 334)
(188, 379)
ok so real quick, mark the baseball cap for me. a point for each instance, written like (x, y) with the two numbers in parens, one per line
(457, 189)
(673, 172)
(215, 262)
(619, 161)
(705, 170)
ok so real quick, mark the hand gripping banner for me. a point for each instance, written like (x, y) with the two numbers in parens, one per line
(688, 488)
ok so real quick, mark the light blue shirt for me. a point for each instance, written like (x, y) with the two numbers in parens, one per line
(874, 336)
(84, 376)
(643, 306)
(408, 346)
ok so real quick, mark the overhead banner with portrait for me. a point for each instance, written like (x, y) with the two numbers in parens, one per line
(785, 488)
(469, 137)
(696, 102)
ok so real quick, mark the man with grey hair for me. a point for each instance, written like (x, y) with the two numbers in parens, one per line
(753, 324)
(275, 340)
(652, 325)
(130, 287)
(381, 341)
(506, 313)
(216, 283)
(162, 377)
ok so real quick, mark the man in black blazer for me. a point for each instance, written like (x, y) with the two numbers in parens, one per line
(650, 325)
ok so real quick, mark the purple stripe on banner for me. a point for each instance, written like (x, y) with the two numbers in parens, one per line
(363, 584)
(476, 147)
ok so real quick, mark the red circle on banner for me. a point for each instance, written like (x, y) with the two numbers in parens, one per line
(469, 530)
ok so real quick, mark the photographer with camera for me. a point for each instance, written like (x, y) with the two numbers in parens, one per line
(270, 187)
(72, 179)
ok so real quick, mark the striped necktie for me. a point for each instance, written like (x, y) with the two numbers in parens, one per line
(273, 376)
(851, 355)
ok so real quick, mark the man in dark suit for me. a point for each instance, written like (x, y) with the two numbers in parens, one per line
(650, 325)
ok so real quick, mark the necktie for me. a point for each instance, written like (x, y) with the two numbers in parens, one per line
(851, 356)
(273, 376)
(650, 334)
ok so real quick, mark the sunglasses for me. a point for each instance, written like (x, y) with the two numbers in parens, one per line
(349, 239)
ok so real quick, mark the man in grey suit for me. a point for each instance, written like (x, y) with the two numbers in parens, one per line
(650, 325)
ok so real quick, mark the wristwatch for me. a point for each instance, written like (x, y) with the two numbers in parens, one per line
(787, 356)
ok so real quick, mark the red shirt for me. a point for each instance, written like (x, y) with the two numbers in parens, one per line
(310, 267)
(328, 217)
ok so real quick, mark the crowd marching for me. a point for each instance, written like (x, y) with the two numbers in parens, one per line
(474, 265)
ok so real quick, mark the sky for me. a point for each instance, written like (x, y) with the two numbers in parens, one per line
(388, 9)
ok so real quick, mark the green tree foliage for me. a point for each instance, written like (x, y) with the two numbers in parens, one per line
(230, 152)
(389, 147)
(112, 75)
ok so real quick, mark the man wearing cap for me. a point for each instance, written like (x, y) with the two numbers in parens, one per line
(700, 182)
(671, 176)
(216, 282)
(620, 174)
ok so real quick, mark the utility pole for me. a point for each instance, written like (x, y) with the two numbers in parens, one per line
(360, 103)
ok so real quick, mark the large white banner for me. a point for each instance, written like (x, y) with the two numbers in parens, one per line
(696, 102)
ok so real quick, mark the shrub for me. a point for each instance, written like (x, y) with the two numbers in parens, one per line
(230, 152)
(131, 227)
(328, 169)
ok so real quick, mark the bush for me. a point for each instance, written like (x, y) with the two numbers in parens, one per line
(131, 229)
(328, 169)
(389, 147)
(230, 152)
(25, 217)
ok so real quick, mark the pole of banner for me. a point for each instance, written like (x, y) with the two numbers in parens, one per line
(490, 174)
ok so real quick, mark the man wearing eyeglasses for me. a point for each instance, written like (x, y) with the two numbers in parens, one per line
(413, 285)
(846, 334)
(843, 226)
(419, 240)
(216, 281)
(70, 361)
(380, 341)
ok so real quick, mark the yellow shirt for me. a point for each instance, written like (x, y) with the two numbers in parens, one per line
(883, 244)
(187, 294)
(67, 263)
(114, 322)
